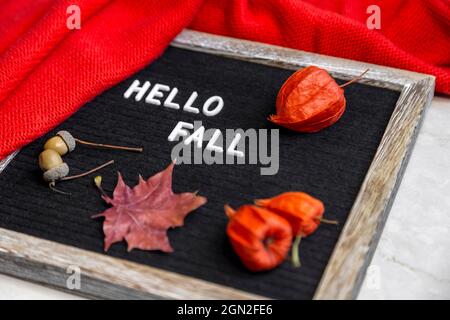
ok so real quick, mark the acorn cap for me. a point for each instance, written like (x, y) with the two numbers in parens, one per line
(56, 173)
(68, 139)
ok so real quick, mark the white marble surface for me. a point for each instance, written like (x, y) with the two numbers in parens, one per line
(412, 260)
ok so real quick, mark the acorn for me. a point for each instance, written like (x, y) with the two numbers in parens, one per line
(53, 166)
(62, 143)
(55, 169)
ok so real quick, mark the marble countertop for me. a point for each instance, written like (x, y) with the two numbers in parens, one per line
(412, 260)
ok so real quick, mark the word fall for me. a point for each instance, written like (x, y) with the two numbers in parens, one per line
(230, 145)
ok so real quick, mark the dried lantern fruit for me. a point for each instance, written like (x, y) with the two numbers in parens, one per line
(310, 100)
(260, 238)
(303, 212)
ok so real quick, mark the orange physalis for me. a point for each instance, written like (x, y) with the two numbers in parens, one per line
(303, 212)
(260, 238)
(310, 100)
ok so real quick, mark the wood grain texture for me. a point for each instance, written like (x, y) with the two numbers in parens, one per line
(354, 250)
(106, 277)
(102, 276)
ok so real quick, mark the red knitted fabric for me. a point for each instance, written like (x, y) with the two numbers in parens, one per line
(414, 34)
(48, 71)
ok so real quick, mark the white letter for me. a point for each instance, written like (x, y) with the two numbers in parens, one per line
(169, 101)
(74, 20)
(207, 310)
(135, 88)
(231, 151)
(374, 21)
(74, 280)
(197, 136)
(211, 144)
(188, 105)
(274, 159)
(178, 131)
(210, 101)
(156, 92)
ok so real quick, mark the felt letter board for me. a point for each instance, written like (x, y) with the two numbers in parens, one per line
(331, 165)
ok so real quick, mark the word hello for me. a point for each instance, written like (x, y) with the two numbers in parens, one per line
(211, 107)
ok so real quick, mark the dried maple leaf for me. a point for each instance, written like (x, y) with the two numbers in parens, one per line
(143, 214)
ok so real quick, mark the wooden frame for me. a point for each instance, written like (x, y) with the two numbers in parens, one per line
(103, 276)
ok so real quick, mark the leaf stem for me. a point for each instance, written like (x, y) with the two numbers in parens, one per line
(108, 146)
(354, 79)
(327, 221)
(88, 172)
(295, 256)
(51, 185)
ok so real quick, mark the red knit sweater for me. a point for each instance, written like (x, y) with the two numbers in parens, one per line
(48, 71)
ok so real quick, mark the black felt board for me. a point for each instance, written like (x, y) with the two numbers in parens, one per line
(330, 165)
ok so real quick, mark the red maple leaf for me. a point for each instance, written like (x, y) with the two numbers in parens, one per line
(143, 214)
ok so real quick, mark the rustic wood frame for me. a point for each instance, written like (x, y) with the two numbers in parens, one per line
(103, 276)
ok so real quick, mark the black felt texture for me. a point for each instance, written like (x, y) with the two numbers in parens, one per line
(330, 165)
